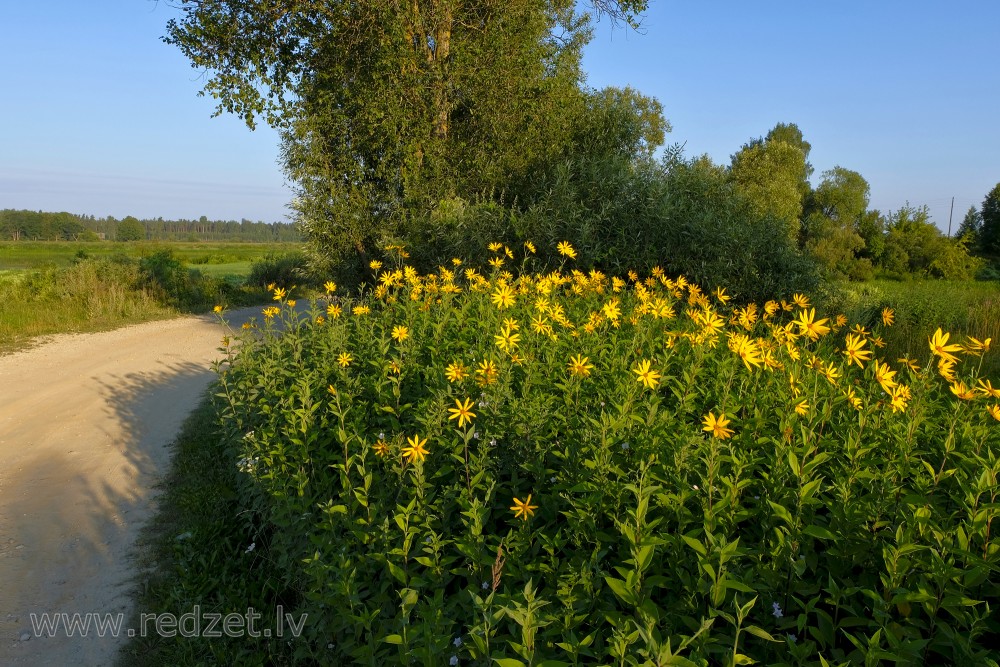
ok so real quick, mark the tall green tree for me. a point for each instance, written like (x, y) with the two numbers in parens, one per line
(388, 107)
(989, 232)
(130, 229)
(970, 229)
(792, 135)
(769, 173)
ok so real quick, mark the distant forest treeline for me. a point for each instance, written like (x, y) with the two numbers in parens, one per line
(18, 225)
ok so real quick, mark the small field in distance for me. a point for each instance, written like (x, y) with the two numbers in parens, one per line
(218, 260)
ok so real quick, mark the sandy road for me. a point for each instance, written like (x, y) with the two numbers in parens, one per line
(86, 423)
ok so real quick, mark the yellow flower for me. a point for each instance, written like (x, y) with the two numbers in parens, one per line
(884, 375)
(503, 297)
(748, 350)
(946, 369)
(463, 413)
(381, 448)
(496, 262)
(580, 365)
(717, 427)
(976, 346)
(909, 363)
(611, 310)
(994, 411)
(986, 389)
(802, 408)
(963, 392)
(523, 510)
(400, 333)
(530, 247)
(900, 396)
(646, 375)
(507, 340)
(456, 371)
(320, 319)
(361, 310)
(939, 346)
(830, 372)
(487, 372)
(888, 316)
(566, 249)
(511, 324)
(416, 451)
(854, 350)
(395, 367)
(291, 303)
(330, 287)
(279, 293)
(720, 294)
(375, 265)
(853, 399)
(218, 310)
(495, 247)
(800, 300)
(333, 310)
(456, 261)
(345, 359)
(810, 326)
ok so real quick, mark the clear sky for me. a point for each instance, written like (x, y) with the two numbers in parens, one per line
(98, 116)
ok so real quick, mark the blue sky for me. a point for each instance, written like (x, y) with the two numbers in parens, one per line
(99, 116)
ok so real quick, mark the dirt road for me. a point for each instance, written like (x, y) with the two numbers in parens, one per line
(86, 422)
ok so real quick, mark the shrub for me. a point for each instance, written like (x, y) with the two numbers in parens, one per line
(572, 468)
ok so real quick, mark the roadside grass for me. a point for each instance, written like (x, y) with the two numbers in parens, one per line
(196, 552)
(98, 294)
(91, 296)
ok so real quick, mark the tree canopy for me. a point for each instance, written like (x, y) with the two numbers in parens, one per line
(387, 108)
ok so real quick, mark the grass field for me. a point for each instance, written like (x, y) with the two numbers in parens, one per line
(215, 259)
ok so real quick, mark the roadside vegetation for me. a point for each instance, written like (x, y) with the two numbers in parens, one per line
(492, 467)
(99, 291)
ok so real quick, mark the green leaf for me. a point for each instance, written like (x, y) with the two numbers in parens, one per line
(696, 545)
(509, 662)
(618, 587)
(760, 632)
(818, 532)
(393, 639)
(781, 513)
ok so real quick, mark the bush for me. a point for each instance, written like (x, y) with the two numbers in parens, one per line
(288, 269)
(579, 469)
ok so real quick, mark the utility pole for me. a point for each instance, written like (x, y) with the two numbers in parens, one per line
(949, 216)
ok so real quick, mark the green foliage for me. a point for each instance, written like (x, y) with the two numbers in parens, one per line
(832, 231)
(989, 232)
(285, 269)
(683, 215)
(821, 532)
(130, 229)
(770, 174)
(17, 225)
(915, 246)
